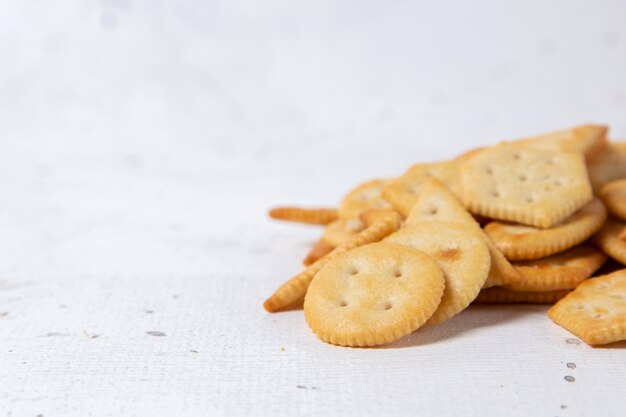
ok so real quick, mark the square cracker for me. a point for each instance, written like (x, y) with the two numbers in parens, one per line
(609, 165)
(525, 185)
(596, 310)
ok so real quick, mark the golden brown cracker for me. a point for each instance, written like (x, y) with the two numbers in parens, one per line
(563, 271)
(294, 290)
(366, 196)
(530, 186)
(519, 242)
(460, 251)
(321, 216)
(437, 203)
(402, 192)
(608, 239)
(609, 165)
(497, 295)
(596, 310)
(613, 195)
(587, 140)
(373, 295)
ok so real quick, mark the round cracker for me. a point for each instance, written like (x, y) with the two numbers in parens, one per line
(519, 242)
(460, 251)
(366, 196)
(373, 295)
(562, 271)
(614, 196)
(608, 239)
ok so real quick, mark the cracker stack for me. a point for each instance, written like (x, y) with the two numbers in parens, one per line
(524, 221)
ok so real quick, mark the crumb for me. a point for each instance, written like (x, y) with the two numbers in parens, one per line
(571, 365)
(155, 333)
(569, 378)
(572, 341)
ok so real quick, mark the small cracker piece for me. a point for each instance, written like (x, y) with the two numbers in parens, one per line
(373, 295)
(609, 165)
(613, 194)
(596, 310)
(519, 242)
(321, 216)
(563, 271)
(402, 192)
(437, 203)
(608, 239)
(366, 196)
(294, 290)
(499, 295)
(460, 251)
(318, 251)
(587, 140)
(525, 185)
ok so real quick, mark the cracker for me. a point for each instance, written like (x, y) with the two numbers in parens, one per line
(596, 310)
(588, 140)
(499, 295)
(366, 196)
(304, 215)
(460, 251)
(608, 239)
(318, 251)
(437, 203)
(613, 194)
(609, 165)
(402, 192)
(525, 185)
(373, 295)
(340, 231)
(293, 291)
(519, 242)
(563, 271)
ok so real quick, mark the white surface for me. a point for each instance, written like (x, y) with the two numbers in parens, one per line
(142, 142)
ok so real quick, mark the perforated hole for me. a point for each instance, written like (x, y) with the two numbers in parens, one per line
(517, 156)
(388, 305)
(489, 171)
(354, 271)
(434, 210)
(523, 178)
(530, 199)
(397, 273)
(343, 303)
(495, 194)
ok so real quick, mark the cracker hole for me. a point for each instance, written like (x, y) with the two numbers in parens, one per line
(495, 194)
(354, 271)
(343, 303)
(434, 210)
(489, 171)
(388, 305)
(558, 183)
(550, 161)
(517, 156)
(598, 316)
(531, 199)
(397, 273)
(523, 178)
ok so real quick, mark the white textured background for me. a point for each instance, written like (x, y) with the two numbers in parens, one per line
(141, 142)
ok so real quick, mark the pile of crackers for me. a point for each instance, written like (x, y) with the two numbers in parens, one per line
(525, 221)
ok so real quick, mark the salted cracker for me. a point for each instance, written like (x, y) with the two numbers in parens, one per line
(321, 216)
(609, 165)
(437, 203)
(365, 196)
(613, 194)
(521, 242)
(563, 271)
(293, 291)
(460, 251)
(596, 310)
(525, 185)
(373, 295)
(608, 239)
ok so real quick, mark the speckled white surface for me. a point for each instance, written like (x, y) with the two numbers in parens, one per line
(142, 141)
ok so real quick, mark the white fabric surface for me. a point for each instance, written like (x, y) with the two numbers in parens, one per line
(141, 143)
